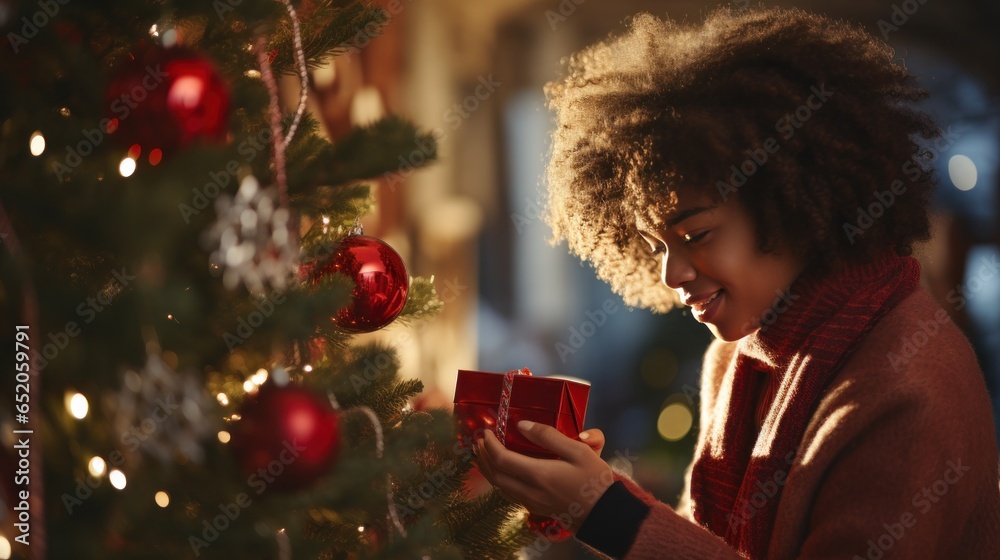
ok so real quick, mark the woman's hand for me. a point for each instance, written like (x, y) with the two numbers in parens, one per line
(565, 489)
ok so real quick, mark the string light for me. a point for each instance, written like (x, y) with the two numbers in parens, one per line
(37, 143)
(5, 550)
(77, 405)
(162, 499)
(96, 466)
(224, 436)
(249, 386)
(361, 528)
(126, 167)
(117, 479)
(222, 398)
(307, 368)
(260, 377)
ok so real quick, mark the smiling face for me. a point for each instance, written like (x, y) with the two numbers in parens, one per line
(711, 259)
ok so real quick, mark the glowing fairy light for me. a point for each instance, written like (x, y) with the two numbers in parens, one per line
(162, 499)
(126, 167)
(96, 467)
(77, 405)
(37, 143)
(117, 479)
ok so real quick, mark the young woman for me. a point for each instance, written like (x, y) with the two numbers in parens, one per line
(766, 169)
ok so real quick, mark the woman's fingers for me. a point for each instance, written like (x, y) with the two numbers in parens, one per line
(511, 462)
(551, 439)
(594, 439)
(513, 489)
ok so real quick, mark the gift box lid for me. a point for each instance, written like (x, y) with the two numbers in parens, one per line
(555, 394)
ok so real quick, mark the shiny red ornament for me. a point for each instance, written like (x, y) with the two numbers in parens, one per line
(166, 99)
(548, 528)
(289, 436)
(381, 282)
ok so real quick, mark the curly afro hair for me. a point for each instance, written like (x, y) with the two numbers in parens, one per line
(667, 108)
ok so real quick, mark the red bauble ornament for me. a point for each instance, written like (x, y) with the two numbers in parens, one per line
(289, 433)
(167, 98)
(380, 282)
(548, 528)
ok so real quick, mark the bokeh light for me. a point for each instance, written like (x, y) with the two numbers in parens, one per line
(162, 499)
(117, 479)
(37, 143)
(96, 466)
(674, 422)
(77, 405)
(963, 173)
(127, 167)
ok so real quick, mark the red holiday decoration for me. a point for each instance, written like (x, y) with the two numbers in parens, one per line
(548, 528)
(166, 98)
(287, 436)
(480, 399)
(380, 282)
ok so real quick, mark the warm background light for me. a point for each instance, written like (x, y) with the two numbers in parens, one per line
(674, 422)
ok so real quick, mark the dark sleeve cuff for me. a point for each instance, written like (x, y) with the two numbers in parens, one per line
(613, 523)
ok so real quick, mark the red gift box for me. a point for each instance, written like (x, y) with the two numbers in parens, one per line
(554, 401)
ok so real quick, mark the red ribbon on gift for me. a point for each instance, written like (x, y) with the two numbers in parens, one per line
(508, 386)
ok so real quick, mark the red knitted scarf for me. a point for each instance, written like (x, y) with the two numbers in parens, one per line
(738, 475)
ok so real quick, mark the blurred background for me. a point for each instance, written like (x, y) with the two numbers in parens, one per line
(473, 72)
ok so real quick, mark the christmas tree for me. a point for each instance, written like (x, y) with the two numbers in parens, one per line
(181, 285)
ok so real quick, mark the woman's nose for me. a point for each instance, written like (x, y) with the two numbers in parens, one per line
(676, 269)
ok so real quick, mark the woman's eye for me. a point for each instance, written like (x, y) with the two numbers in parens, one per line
(690, 239)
